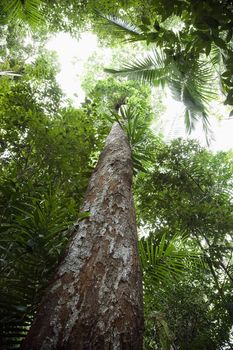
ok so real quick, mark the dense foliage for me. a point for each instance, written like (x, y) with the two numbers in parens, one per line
(183, 193)
(46, 156)
(189, 192)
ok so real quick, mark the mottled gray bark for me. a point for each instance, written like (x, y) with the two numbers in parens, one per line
(95, 300)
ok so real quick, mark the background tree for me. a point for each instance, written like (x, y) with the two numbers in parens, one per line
(188, 192)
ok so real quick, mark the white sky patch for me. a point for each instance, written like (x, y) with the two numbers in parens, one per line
(72, 56)
(223, 135)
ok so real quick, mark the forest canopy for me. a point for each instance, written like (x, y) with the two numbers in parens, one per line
(49, 148)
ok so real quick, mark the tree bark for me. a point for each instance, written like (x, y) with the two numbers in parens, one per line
(95, 299)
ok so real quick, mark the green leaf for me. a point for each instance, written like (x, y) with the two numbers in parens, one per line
(220, 42)
(156, 25)
(144, 28)
(146, 20)
(83, 215)
(208, 49)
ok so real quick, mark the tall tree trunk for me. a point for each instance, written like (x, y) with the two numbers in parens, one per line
(95, 300)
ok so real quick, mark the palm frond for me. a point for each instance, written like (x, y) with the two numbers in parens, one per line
(30, 247)
(216, 56)
(195, 87)
(192, 83)
(9, 74)
(189, 119)
(27, 11)
(165, 259)
(119, 26)
(154, 69)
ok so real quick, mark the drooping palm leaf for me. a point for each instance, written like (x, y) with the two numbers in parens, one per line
(195, 87)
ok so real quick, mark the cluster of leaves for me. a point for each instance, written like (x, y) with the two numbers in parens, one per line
(128, 103)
